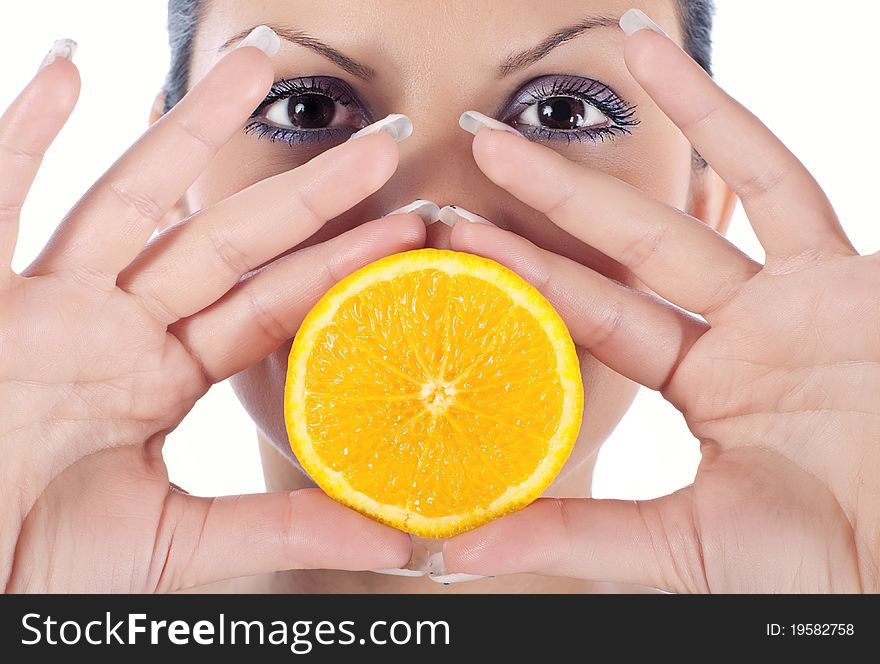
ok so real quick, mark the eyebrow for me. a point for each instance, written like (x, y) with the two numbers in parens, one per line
(336, 56)
(511, 64)
(531, 55)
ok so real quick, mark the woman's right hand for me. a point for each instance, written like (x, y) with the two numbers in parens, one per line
(106, 344)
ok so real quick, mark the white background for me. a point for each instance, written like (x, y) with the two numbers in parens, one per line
(809, 73)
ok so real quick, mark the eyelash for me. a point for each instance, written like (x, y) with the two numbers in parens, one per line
(334, 89)
(591, 92)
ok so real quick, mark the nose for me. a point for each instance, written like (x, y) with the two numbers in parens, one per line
(436, 164)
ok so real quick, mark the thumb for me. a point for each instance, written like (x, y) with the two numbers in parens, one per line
(651, 543)
(203, 540)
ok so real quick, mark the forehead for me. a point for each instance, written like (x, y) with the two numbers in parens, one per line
(448, 33)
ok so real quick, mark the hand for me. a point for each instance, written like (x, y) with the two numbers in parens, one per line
(105, 345)
(778, 378)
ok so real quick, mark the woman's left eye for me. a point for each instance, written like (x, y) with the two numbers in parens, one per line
(570, 108)
(562, 113)
(308, 109)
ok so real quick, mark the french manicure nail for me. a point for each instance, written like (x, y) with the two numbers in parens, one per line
(473, 121)
(399, 571)
(452, 214)
(634, 20)
(418, 561)
(457, 578)
(62, 48)
(395, 125)
(437, 571)
(264, 38)
(427, 210)
(436, 566)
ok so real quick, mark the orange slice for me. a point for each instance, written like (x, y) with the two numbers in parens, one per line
(433, 391)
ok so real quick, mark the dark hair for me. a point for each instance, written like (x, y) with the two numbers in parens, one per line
(695, 17)
(183, 18)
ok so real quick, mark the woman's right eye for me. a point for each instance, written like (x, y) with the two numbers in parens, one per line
(307, 110)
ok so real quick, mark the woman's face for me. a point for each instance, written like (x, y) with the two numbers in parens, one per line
(432, 60)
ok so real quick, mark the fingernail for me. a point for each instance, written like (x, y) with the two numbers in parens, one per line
(437, 571)
(634, 20)
(452, 214)
(395, 125)
(62, 48)
(458, 578)
(436, 566)
(399, 571)
(427, 210)
(473, 121)
(264, 38)
(421, 553)
(417, 565)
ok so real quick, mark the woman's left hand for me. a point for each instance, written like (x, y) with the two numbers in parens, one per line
(779, 377)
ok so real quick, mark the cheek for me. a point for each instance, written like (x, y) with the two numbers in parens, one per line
(242, 162)
(607, 396)
(238, 165)
(658, 164)
(261, 391)
(657, 161)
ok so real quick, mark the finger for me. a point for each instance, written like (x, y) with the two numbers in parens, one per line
(210, 539)
(188, 267)
(679, 257)
(266, 309)
(632, 332)
(788, 210)
(650, 543)
(111, 223)
(27, 128)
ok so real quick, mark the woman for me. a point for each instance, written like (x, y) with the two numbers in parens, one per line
(107, 343)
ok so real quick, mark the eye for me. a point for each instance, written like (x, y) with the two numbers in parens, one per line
(562, 113)
(309, 109)
(569, 108)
